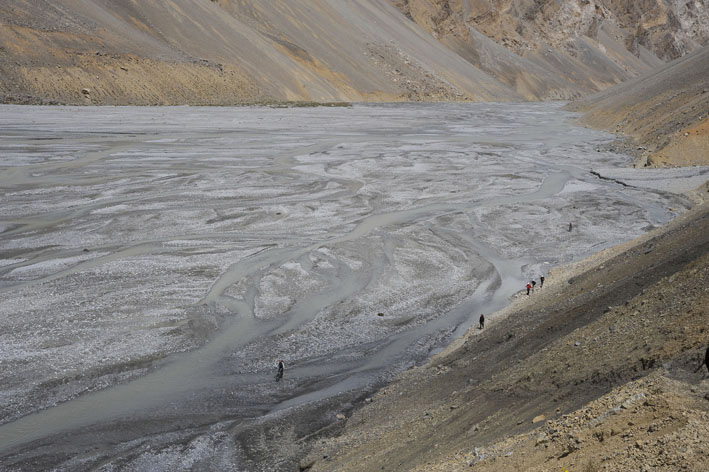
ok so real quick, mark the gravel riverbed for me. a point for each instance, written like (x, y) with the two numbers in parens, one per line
(155, 263)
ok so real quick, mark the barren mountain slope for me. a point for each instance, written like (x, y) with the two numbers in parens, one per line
(202, 51)
(631, 318)
(563, 49)
(666, 111)
(236, 51)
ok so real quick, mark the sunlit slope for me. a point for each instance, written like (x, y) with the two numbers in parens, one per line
(547, 49)
(201, 51)
(237, 51)
(666, 111)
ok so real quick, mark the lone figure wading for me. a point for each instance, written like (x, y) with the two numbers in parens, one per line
(279, 375)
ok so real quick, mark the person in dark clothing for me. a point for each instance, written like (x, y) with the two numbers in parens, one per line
(482, 321)
(541, 281)
(534, 284)
(706, 359)
(571, 225)
(279, 375)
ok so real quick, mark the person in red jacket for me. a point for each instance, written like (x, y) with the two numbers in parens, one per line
(529, 287)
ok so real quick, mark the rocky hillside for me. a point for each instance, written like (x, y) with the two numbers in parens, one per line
(563, 49)
(665, 112)
(245, 51)
(601, 369)
(202, 51)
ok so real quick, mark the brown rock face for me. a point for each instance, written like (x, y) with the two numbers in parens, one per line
(208, 52)
(668, 29)
(563, 49)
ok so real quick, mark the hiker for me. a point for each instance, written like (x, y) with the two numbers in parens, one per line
(541, 281)
(706, 359)
(482, 321)
(279, 375)
(571, 225)
(534, 284)
(529, 287)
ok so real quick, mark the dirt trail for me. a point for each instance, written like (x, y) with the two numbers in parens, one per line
(631, 318)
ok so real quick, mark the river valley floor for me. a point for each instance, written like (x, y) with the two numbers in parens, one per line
(155, 263)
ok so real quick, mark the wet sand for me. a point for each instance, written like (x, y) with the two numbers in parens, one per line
(156, 262)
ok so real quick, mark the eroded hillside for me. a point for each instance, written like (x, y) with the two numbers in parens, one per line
(666, 112)
(246, 51)
(548, 49)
